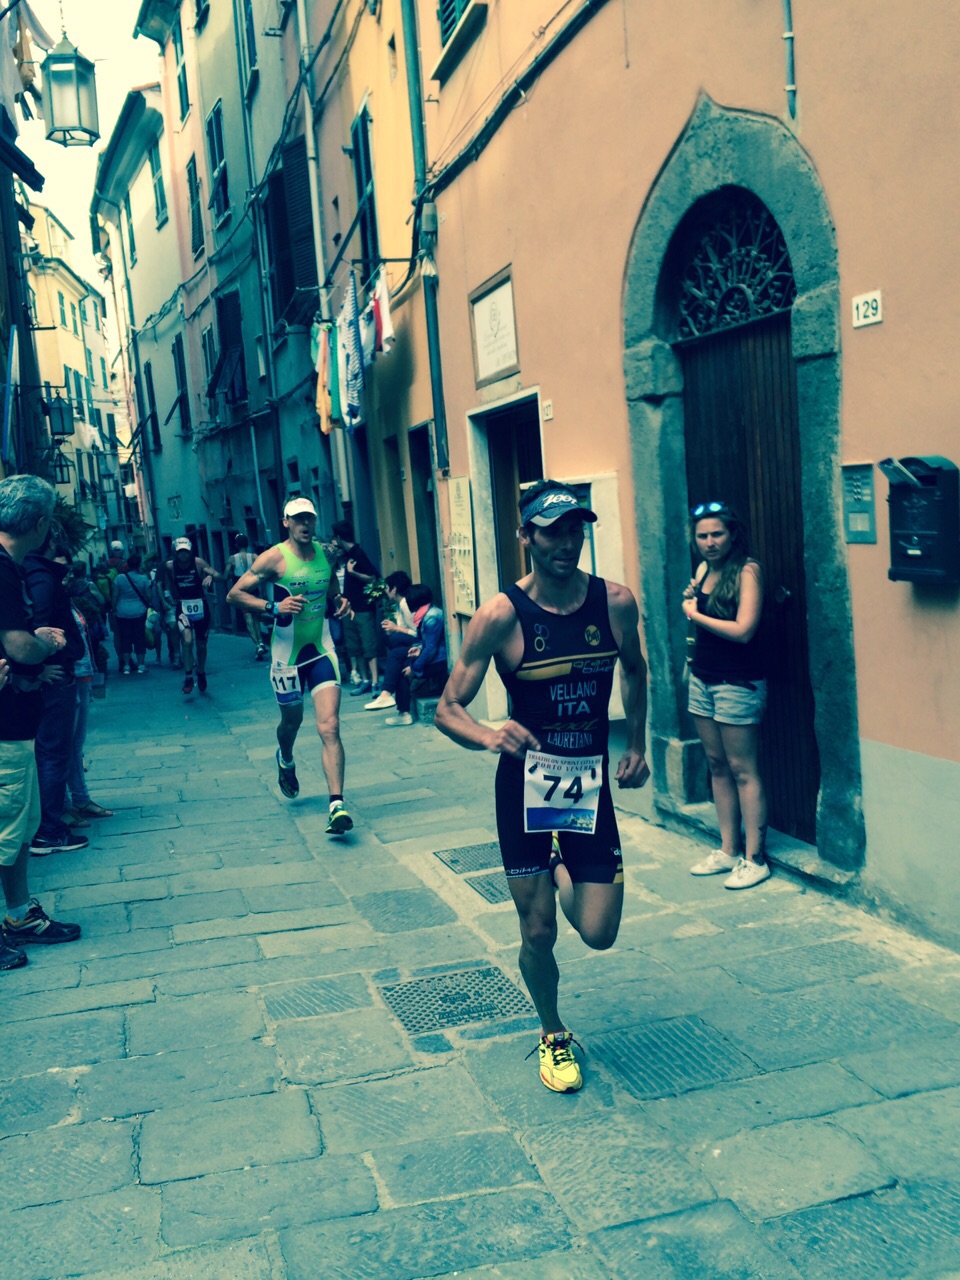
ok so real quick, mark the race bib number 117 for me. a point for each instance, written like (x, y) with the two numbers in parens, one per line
(561, 793)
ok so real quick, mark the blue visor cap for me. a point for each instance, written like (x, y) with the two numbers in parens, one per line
(551, 505)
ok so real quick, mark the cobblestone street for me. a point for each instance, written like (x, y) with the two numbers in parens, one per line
(280, 1056)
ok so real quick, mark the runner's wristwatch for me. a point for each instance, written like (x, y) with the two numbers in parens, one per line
(271, 609)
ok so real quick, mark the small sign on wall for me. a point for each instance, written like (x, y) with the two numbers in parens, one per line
(867, 309)
(494, 327)
(461, 547)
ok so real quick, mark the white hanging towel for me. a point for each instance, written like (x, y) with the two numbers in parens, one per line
(381, 301)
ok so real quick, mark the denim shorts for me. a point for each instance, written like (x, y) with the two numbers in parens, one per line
(728, 703)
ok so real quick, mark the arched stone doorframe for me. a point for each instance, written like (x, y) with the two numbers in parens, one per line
(718, 148)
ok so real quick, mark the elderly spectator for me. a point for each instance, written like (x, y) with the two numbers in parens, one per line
(26, 510)
(45, 571)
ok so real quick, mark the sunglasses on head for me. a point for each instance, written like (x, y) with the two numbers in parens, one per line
(708, 509)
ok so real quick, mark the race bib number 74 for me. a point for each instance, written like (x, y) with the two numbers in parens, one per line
(561, 793)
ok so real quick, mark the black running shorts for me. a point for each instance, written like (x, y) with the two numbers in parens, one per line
(590, 859)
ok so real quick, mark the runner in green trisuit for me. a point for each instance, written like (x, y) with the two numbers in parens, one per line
(302, 655)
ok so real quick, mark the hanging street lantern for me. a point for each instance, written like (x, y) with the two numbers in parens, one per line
(62, 470)
(69, 96)
(60, 413)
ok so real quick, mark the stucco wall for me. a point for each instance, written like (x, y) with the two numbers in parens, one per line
(875, 87)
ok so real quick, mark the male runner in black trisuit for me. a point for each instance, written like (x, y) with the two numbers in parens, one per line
(556, 637)
(187, 578)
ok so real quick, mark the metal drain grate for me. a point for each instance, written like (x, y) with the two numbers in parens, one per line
(493, 887)
(472, 857)
(667, 1058)
(454, 1000)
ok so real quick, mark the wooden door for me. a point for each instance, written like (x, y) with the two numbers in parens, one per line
(743, 447)
(513, 437)
(424, 508)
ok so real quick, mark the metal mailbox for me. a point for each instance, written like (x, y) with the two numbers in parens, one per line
(924, 501)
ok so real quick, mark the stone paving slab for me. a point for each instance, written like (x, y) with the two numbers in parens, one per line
(108, 995)
(74, 898)
(721, 1110)
(31, 1104)
(806, 1026)
(711, 1240)
(250, 1259)
(419, 1171)
(260, 922)
(905, 1068)
(198, 955)
(134, 1086)
(301, 942)
(192, 1022)
(187, 908)
(76, 1237)
(785, 1167)
(573, 1264)
(900, 1234)
(311, 999)
(265, 973)
(629, 1170)
(65, 1041)
(412, 1242)
(426, 1104)
(344, 1047)
(225, 1206)
(213, 1137)
(65, 1163)
(910, 1135)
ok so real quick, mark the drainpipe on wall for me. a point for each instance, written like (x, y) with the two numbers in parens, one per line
(790, 86)
(411, 57)
(338, 450)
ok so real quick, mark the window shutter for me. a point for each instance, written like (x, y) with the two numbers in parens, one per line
(296, 187)
(450, 12)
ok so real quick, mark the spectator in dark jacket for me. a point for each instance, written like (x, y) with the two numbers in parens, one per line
(54, 743)
(426, 672)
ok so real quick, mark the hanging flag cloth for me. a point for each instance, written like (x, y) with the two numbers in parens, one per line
(350, 358)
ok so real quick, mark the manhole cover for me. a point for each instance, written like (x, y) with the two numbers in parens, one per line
(671, 1057)
(472, 857)
(454, 1000)
(493, 887)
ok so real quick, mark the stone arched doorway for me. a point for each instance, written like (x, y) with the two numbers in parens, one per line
(757, 155)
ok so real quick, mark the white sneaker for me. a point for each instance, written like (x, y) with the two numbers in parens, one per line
(355, 678)
(402, 717)
(381, 702)
(713, 864)
(746, 874)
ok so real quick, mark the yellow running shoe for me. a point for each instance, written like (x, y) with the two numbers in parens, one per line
(558, 1066)
(340, 820)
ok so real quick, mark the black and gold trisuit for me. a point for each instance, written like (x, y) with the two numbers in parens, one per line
(561, 693)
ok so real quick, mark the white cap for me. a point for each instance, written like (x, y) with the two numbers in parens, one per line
(116, 546)
(183, 544)
(299, 507)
